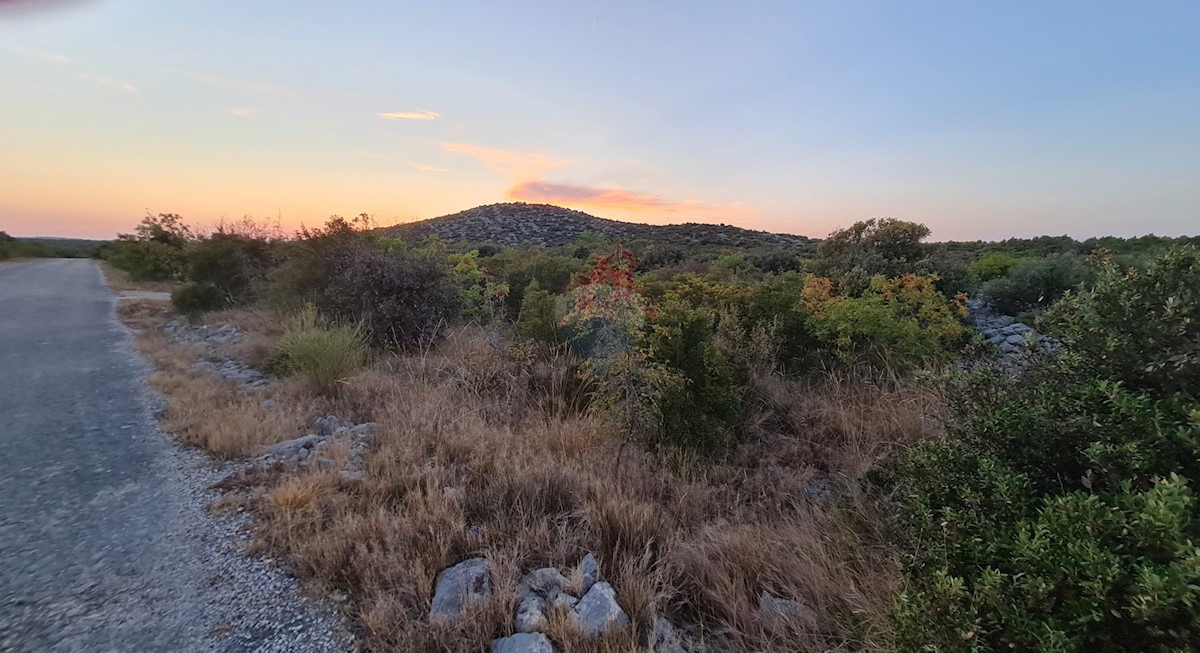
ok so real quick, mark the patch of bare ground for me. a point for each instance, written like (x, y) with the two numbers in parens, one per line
(482, 451)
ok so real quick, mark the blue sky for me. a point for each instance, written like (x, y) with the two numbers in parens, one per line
(982, 120)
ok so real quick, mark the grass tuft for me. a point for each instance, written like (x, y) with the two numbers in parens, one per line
(323, 353)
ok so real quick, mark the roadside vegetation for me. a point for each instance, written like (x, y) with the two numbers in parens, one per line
(721, 428)
(22, 248)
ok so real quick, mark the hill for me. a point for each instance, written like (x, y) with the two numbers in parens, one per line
(516, 223)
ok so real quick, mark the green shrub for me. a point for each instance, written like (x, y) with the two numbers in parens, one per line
(703, 410)
(1058, 513)
(518, 267)
(481, 296)
(898, 323)
(236, 265)
(991, 265)
(154, 252)
(880, 246)
(325, 354)
(1139, 327)
(196, 298)
(148, 260)
(401, 297)
(1035, 283)
(537, 318)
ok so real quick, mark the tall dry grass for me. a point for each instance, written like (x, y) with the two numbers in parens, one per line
(483, 450)
(476, 457)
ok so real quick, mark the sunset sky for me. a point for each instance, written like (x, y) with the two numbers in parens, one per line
(980, 119)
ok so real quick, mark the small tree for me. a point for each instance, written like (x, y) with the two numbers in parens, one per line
(536, 320)
(885, 246)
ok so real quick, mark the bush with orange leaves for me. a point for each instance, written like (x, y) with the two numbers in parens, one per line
(901, 323)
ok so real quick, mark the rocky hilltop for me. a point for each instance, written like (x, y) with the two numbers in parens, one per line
(516, 223)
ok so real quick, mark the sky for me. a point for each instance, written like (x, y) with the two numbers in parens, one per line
(982, 120)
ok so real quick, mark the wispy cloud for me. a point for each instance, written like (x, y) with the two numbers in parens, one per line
(36, 54)
(245, 85)
(606, 197)
(429, 168)
(246, 111)
(410, 115)
(102, 81)
(516, 166)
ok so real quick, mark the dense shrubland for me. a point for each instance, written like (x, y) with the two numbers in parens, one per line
(1047, 510)
(1058, 513)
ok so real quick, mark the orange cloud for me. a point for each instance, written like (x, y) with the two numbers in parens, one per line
(429, 168)
(549, 192)
(513, 165)
(242, 112)
(410, 115)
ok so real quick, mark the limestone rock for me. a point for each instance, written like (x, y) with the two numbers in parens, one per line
(366, 428)
(531, 615)
(589, 569)
(328, 424)
(468, 582)
(664, 639)
(598, 611)
(290, 448)
(772, 607)
(522, 643)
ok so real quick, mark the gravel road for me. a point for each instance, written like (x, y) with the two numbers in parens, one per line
(104, 541)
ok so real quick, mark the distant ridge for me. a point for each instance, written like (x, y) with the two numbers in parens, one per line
(514, 224)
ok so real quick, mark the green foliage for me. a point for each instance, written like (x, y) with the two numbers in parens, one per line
(702, 411)
(234, 264)
(1034, 283)
(898, 323)
(325, 354)
(1139, 327)
(148, 260)
(196, 298)
(991, 265)
(154, 252)
(537, 318)
(481, 296)
(1059, 512)
(518, 267)
(879, 246)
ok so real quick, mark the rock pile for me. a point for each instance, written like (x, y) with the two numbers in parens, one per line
(224, 367)
(590, 604)
(306, 450)
(227, 368)
(224, 334)
(1013, 338)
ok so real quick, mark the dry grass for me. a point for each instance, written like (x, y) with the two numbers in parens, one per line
(482, 451)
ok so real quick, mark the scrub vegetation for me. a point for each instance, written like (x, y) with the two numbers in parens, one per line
(819, 423)
(22, 248)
